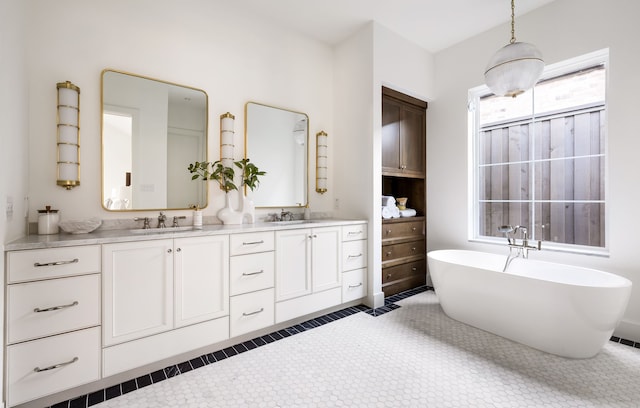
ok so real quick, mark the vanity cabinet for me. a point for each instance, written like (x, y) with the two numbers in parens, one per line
(252, 276)
(162, 298)
(308, 271)
(52, 321)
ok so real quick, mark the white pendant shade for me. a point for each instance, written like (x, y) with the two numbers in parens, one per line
(514, 69)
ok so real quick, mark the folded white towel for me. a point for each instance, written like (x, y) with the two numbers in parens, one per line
(409, 212)
(390, 212)
(388, 201)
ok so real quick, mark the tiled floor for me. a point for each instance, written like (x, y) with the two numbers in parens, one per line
(414, 356)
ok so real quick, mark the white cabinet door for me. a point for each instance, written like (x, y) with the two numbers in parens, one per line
(201, 267)
(137, 289)
(293, 263)
(326, 258)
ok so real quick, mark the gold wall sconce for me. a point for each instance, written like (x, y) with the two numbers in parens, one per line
(68, 135)
(322, 165)
(227, 145)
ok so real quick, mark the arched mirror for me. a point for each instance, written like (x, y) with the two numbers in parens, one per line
(151, 131)
(276, 140)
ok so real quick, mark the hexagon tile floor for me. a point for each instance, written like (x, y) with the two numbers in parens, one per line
(413, 356)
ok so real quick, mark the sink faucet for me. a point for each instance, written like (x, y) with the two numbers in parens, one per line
(286, 215)
(175, 220)
(161, 219)
(522, 248)
(146, 222)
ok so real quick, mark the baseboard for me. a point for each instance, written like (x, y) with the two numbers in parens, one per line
(628, 330)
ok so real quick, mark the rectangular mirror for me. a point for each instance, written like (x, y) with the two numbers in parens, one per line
(276, 140)
(151, 131)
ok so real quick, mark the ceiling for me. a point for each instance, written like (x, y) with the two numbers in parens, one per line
(432, 24)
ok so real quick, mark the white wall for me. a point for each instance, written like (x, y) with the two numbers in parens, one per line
(234, 57)
(561, 30)
(14, 135)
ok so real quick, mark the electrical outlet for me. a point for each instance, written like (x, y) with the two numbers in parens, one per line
(336, 204)
(9, 211)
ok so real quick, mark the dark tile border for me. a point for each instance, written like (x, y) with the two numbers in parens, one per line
(99, 396)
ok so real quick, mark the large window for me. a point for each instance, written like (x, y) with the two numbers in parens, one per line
(540, 158)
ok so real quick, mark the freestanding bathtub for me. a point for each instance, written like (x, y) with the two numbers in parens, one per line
(564, 310)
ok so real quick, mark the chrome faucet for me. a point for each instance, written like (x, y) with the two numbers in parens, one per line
(161, 219)
(522, 248)
(146, 220)
(175, 220)
(286, 215)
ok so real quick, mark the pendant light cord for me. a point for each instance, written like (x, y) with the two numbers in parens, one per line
(513, 22)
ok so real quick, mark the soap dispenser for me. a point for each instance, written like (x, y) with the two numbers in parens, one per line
(307, 212)
(197, 217)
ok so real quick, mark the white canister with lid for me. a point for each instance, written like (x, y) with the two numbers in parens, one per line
(48, 220)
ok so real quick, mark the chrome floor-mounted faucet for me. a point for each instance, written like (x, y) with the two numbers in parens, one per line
(522, 248)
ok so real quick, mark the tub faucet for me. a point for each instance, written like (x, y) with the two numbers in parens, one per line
(522, 249)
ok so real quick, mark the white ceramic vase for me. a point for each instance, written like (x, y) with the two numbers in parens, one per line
(229, 215)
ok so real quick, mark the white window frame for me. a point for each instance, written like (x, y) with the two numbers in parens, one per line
(474, 95)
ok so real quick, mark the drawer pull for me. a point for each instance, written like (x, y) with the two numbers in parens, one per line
(413, 229)
(39, 370)
(355, 286)
(253, 313)
(354, 232)
(354, 256)
(389, 253)
(49, 309)
(254, 242)
(388, 231)
(414, 269)
(37, 264)
(253, 273)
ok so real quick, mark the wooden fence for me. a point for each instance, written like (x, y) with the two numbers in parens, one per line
(546, 175)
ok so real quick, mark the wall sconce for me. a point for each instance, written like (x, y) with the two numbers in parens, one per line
(226, 139)
(68, 135)
(322, 165)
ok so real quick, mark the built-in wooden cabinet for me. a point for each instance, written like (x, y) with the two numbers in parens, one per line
(403, 175)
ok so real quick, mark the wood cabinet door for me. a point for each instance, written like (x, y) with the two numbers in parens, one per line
(137, 289)
(293, 263)
(390, 135)
(326, 271)
(201, 268)
(412, 143)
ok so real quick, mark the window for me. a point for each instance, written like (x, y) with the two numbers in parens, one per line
(540, 158)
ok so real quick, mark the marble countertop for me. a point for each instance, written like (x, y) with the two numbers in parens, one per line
(64, 239)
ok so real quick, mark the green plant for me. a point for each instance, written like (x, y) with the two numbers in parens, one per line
(224, 175)
(250, 173)
(214, 171)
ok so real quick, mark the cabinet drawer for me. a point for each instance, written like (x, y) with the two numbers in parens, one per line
(396, 251)
(39, 264)
(80, 349)
(354, 255)
(43, 308)
(354, 285)
(252, 242)
(403, 229)
(403, 271)
(252, 311)
(354, 232)
(252, 272)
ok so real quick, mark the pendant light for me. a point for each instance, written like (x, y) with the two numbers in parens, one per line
(515, 68)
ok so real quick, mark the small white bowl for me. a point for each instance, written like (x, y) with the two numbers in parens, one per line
(80, 226)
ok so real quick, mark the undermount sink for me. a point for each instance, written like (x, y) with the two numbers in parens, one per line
(160, 230)
(288, 222)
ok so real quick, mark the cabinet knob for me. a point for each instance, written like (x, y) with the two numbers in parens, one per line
(414, 269)
(388, 276)
(413, 229)
(413, 250)
(169, 251)
(388, 253)
(178, 250)
(388, 231)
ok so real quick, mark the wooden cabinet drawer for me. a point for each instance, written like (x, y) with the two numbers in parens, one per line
(37, 264)
(354, 232)
(252, 272)
(354, 255)
(38, 368)
(252, 311)
(251, 242)
(403, 271)
(402, 229)
(354, 285)
(407, 249)
(43, 308)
